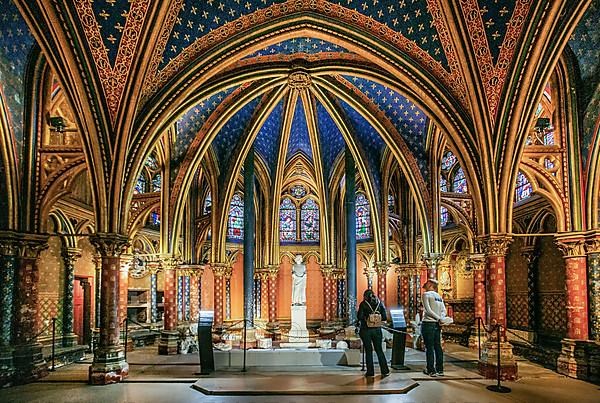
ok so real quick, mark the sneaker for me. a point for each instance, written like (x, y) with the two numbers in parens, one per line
(431, 374)
(440, 373)
(385, 374)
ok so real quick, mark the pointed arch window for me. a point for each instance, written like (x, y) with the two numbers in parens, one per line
(287, 220)
(448, 161)
(443, 216)
(443, 184)
(391, 203)
(207, 207)
(363, 217)
(459, 182)
(141, 184)
(157, 182)
(235, 222)
(309, 218)
(523, 188)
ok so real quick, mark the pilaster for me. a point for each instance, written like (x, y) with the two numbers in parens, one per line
(169, 336)
(109, 365)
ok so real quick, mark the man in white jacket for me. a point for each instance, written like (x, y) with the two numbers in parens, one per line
(434, 314)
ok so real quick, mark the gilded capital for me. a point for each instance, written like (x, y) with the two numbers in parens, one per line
(219, 269)
(495, 244)
(571, 247)
(110, 245)
(169, 262)
(592, 245)
(476, 261)
(71, 254)
(382, 267)
(432, 259)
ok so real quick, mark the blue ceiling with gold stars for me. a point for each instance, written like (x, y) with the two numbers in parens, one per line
(267, 141)
(111, 16)
(299, 45)
(409, 17)
(16, 43)
(190, 123)
(496, 15)
(331, 141)
(410, 121)
(299, 138)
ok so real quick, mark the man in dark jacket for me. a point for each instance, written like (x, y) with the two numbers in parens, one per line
(371, 336)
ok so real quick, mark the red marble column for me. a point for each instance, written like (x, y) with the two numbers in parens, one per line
(27, 354)
(327, 272)
(170, 297)
(334, 296)
(382, 269)
(125, 263)
(109, 365)
(477, 263)
(272, 290)
(432, 261)
(495, 247)
(194, 297)
(219, 270)
(404, 291)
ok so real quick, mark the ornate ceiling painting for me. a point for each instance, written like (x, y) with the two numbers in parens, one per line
(16, 43)
(112, 29)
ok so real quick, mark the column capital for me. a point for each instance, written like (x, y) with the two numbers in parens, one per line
(327, 270)
(169, 262)
(571, 246)
(408, 269)
(261, 273)
(110, 245)
(71, 253)
(219, 269)
(153, 267)
(338, 274)
(592, 244)
(382, 267)
(192, 270)
(494, 244)
(432, 259)
(476, 261)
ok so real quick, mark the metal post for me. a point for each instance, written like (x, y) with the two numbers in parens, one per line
(245, 330)
(53, 341)
(498, 388)
(126, 335)
(479, 336)
(362, 350)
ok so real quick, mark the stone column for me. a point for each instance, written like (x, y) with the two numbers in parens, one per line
(477, 264)
(27, 354)
(153, 269)
(350, 201)
(70, 255)
(531, 256)
(109, 365)
(126, 260)
(593, 265)
(327, 273)
(219, 270)
(273, 272)
(249, 234)
(87, 311)
(169, 335)
(194, 296)
(573, 358)
(381, 268)
(98, 266)
(404, 271)
(8, 264)
(432, 260)
(495, 247)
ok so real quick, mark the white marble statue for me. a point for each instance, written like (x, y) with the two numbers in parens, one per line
(298, 281)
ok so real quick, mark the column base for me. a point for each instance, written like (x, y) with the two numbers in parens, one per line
(7, 369)
(474, 340)
(29, 363)
(573, 359)
(109, 366)
(69, 340)
(593, 354)
(488, 364)
(168, 342)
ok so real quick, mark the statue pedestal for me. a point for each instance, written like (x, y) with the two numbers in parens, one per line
(298, 333)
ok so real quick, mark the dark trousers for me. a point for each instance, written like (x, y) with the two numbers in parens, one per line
(372, 338)
(432, 336)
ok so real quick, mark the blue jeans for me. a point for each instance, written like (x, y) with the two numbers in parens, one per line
(372, 338)
(432, 336)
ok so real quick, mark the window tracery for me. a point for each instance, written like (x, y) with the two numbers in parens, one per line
(235, 221)
(363, 217)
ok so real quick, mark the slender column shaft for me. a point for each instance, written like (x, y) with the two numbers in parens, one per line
(477, 263)
(249, 234)
(153, 297)
(327, 297)
(272, 285)
(350, 200)
(8, 265)
(218, 289)
(594, 294)
(194, 298)
(98, 288)
(334, 298)
(170, 303)
(69, 257)
(87, 311)
(125, 262)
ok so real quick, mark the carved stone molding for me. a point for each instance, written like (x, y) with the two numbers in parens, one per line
(299, 80)
(381, 268)
(219, 269)
(110, 245)
(169, 262)
(476, 262)
(192, 270)
(592, 245)
(408, 269)
(327, 270)
(495, 244)
(571, 247)
(432, 260)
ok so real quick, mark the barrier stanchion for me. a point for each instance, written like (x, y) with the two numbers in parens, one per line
(498, 387)
(245, 331)
(53, 341)
(479, 336)
(126, 335)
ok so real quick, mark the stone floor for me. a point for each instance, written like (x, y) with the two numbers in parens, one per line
(156, 378)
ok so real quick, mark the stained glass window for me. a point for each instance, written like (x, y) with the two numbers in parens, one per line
(523, 189)
(309, 218)
(548, 164)
(287, 220)
(443, 216)
(443, 184)
(391, 203)
(549, 137)
(151, 163)
(448, 161)
(140, 186)
(298, 191)
(206, 209)
(363, 217)
(235, 222)
(157, 182)
(459, 183)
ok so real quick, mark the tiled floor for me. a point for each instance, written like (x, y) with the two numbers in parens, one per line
(169, 378)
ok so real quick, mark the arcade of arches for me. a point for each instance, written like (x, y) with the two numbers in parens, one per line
(160, 158)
